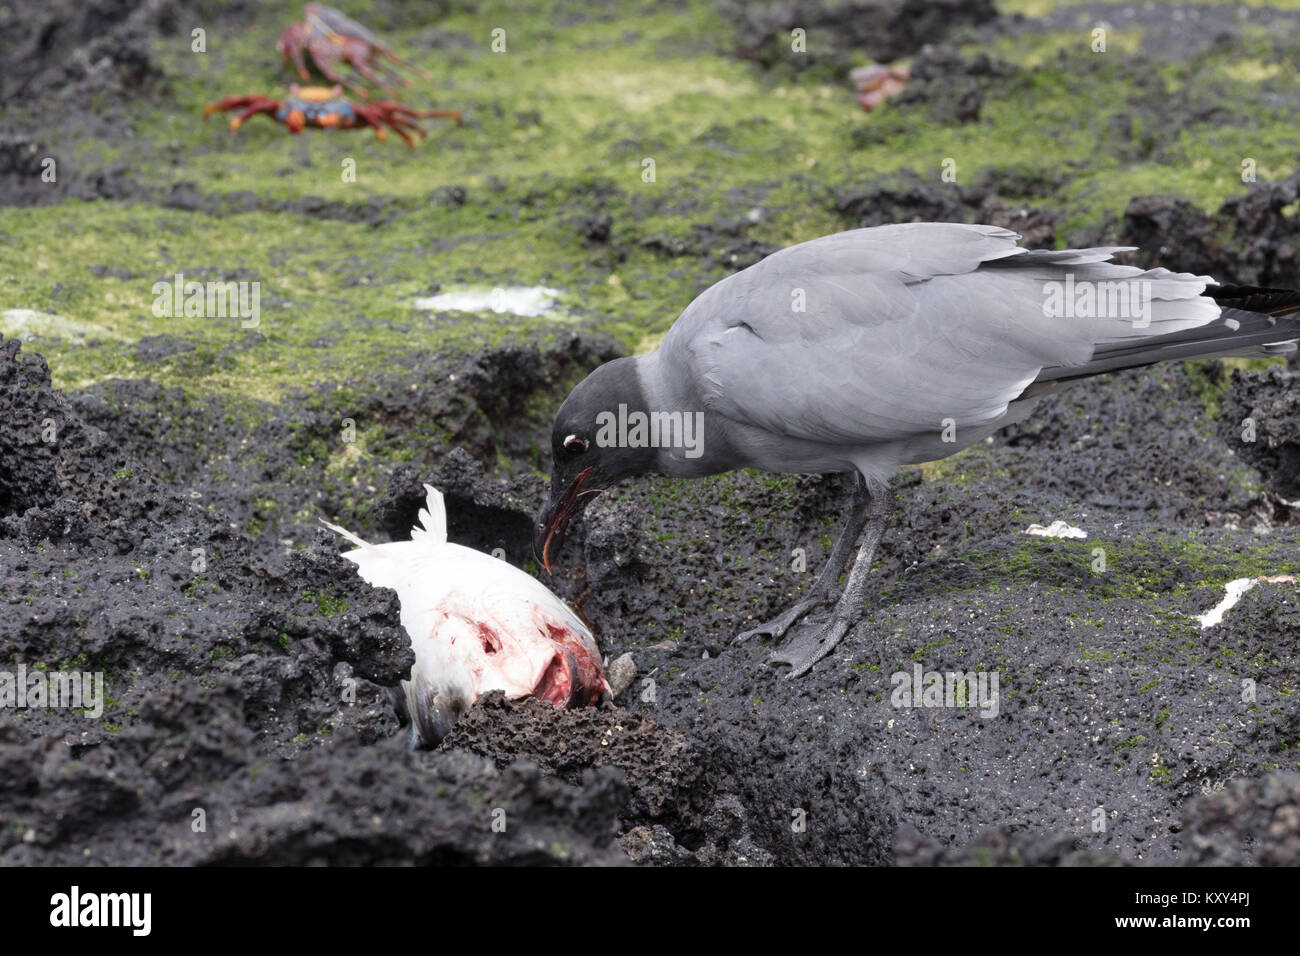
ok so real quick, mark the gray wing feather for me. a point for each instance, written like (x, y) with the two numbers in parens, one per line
(903, 327)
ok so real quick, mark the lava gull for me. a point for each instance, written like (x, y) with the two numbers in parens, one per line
(875, 348)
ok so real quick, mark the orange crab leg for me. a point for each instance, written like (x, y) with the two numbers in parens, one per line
(252, 106)
(292, 43)
(407, 114)
(230, 103)
(402, 127)
(401, 118)
(443, 114)
(382, 133)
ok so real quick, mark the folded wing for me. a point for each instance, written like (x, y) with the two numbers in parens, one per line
(902, 327)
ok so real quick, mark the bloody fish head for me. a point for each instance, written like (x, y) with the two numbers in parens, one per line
(476, 624)
(499, 642)
(574, 677)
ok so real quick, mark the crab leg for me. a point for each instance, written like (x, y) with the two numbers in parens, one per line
(380, 116)
(300, 62)
(443, 114)
(383, 133)
(424, 74)
(252, 106)
(403, 125)
(328, 62)
(293, 42)
(370, 116)
(248, 114)
(232, 102)
(357, 59)
(397, 65)
(407, 114)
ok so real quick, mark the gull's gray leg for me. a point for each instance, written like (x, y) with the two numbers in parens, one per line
(815, 641)
(821, 590)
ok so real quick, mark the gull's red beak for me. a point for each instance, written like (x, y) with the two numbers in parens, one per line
(555, 517)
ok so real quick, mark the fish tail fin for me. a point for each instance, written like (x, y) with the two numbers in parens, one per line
(433, 517)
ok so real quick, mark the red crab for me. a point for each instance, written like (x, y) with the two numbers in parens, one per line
(327, 107)
(332, 39)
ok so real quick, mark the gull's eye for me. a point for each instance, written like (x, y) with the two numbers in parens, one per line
(575, 444)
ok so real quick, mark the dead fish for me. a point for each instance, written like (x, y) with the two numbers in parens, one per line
(476, 623)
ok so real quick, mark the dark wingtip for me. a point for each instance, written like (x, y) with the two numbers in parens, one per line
(1251, 298)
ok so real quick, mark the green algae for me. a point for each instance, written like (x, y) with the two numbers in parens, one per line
(558, 127)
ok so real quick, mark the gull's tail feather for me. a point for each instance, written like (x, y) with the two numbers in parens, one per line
(1253, 298)
(1253, 322)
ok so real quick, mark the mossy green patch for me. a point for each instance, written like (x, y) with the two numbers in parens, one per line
(558, 126)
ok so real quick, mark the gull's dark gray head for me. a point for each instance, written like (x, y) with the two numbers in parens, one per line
(584, 459)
